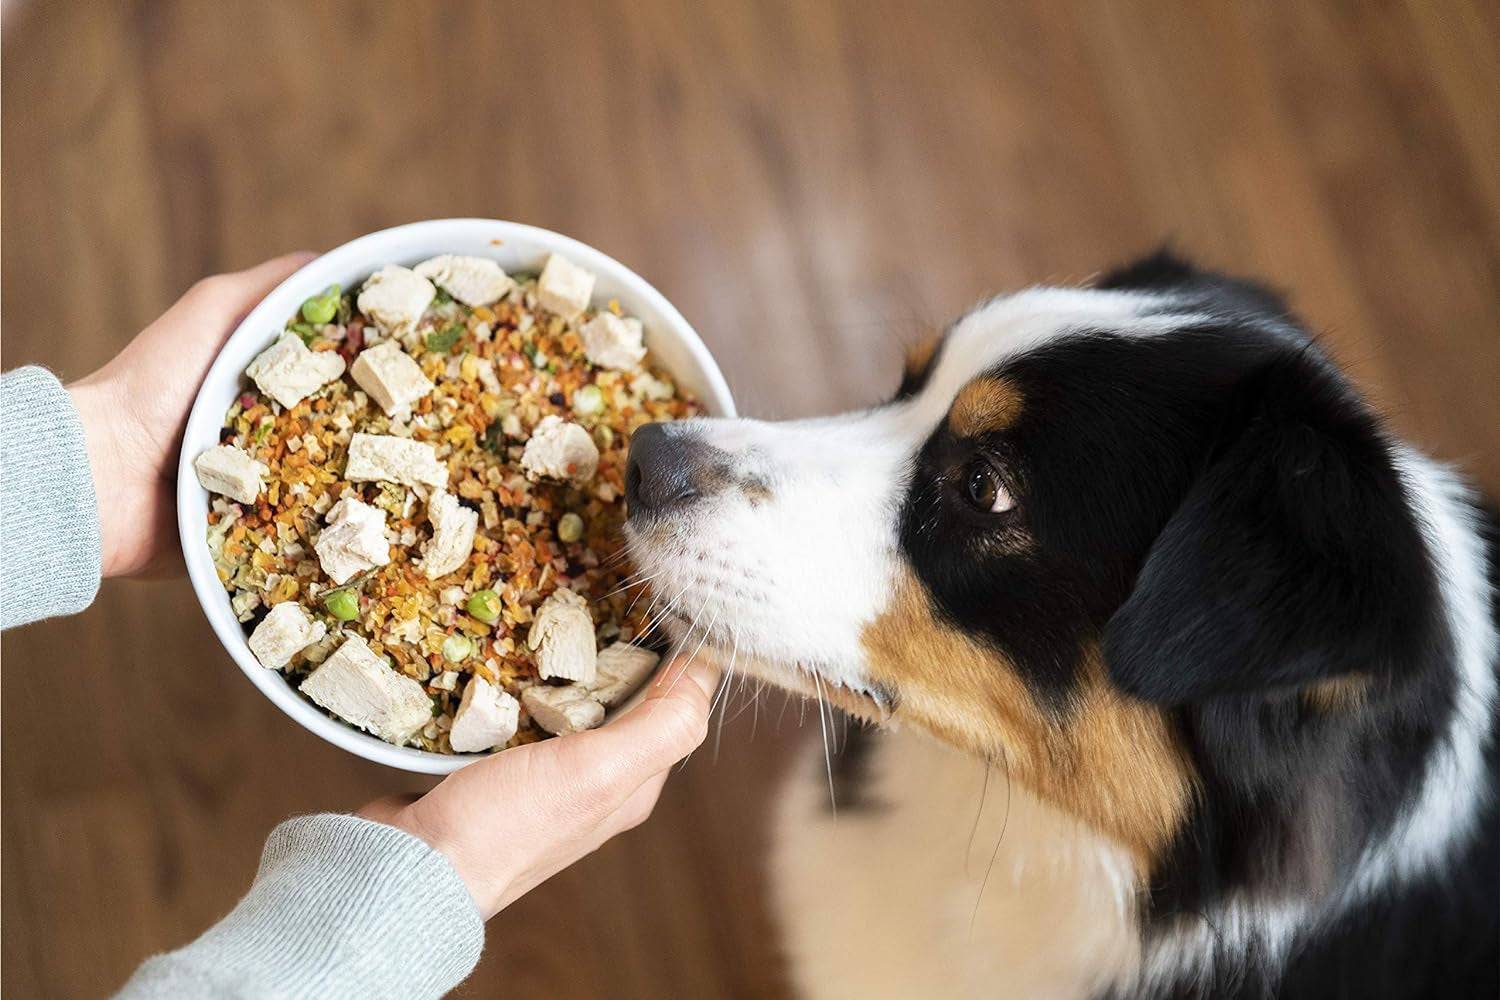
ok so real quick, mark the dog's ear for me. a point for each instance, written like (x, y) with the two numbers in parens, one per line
(1293, 558)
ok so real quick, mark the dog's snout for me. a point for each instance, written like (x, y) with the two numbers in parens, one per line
(665, 470)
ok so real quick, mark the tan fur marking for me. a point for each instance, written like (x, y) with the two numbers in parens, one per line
(1337, 694)
(919, 355)
(1113, 762)
(984, 406)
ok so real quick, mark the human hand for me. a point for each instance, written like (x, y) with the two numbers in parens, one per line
(134, 408)
(512, 821)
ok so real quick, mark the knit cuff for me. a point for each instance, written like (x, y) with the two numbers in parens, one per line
(341, 907)
(49, 519)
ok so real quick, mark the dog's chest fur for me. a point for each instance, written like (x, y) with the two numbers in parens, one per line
(889, 897)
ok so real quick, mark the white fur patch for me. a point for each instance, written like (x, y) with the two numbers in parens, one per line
(1454, 789)
(905, 903)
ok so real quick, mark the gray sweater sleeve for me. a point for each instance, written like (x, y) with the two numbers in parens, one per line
(341, 906)
(49, 522)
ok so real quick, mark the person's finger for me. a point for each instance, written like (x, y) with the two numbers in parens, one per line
(222, 300)
(584, 778)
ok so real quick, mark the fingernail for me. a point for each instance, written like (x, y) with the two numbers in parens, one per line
(704, 673)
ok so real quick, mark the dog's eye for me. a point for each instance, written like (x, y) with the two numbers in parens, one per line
(985, 489)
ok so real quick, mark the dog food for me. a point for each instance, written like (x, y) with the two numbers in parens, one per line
(419, 498)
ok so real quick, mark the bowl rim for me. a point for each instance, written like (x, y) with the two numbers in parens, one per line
(368, 253)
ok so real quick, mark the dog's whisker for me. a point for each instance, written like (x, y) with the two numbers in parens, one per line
(627, 583)
(827, 753)
(666, 610)
(728, 673)
(984, 792)
(688, 636)
(995, 854)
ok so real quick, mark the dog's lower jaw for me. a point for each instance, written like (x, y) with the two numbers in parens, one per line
(865, 704)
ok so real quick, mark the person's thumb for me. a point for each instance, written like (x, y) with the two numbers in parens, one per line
(665, 727)
(673, 716)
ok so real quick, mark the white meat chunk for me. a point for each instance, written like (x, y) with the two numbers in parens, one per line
(362, 689)
(453, 527)
(387, 458)
(567, 709)
(231, 472)
(564, 287)
(487, 718)
(353, 541)
(474, 281)
(619, 670)
(395, 297)
(284, 633)
(562, 634)
(558, 449)
(390, 376)
(288, 372)
(612, 342)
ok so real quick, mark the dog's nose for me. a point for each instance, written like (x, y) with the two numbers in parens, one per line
(664, 470)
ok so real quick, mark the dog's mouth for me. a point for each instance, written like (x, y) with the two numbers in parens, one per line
(872, 705)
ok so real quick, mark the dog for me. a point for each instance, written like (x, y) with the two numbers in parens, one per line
(1181, 668)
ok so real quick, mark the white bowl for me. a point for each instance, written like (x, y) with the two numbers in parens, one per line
(672, 342)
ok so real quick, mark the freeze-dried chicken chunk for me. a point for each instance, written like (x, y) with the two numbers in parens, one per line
(558, 710)
(387, 458)
(390, 376)
(562, 635)
(612, 342)
(231, 472)
(353, 541)
(558, 449)
(395, 297)
(619, 670)
(474, 281)
(284, 633)
(453, 527)
(564, 287)
(362, 689)
(288, 372)
(487, 717)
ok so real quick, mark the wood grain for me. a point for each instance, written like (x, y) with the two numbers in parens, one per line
(814, 184)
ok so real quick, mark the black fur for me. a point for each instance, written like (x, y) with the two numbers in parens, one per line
(1293, 557)
(1219, 512)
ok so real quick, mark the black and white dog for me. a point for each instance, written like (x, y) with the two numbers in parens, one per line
(1138, 562)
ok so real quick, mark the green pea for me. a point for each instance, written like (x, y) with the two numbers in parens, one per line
(570, 527)
(322, 308)
(456, 648)
(485, 605)
(342, 604)
(588, 399)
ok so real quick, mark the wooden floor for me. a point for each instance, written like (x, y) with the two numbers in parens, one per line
(812, 183)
